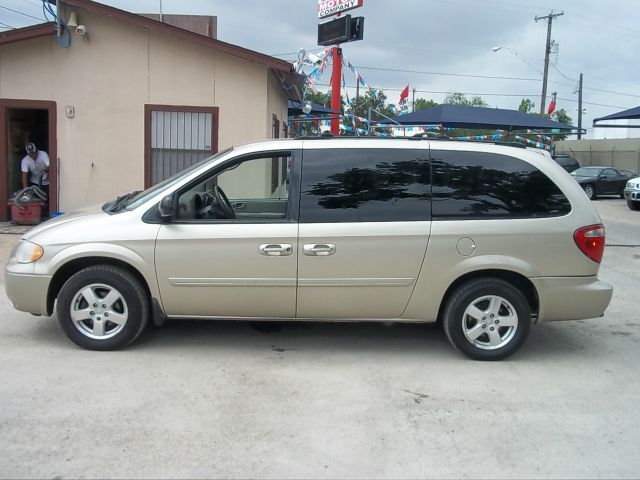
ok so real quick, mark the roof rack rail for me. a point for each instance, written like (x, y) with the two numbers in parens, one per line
(417, 137)
(322, 136)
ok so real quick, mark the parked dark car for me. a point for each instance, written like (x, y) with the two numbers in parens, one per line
(566, 161)
(602, 180)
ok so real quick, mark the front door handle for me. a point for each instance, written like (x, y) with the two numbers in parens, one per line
(319, 249)
(276, 249)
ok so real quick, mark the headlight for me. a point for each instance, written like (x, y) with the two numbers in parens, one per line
(27, 252)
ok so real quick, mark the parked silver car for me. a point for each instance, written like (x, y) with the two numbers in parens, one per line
(632, 193)
(488, 239)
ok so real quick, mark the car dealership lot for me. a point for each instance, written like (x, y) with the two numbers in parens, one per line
(222, 399)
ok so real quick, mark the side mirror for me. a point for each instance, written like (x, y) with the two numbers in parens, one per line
(167, 208)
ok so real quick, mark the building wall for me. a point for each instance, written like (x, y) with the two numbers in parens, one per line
(620, 153)
(108, 77)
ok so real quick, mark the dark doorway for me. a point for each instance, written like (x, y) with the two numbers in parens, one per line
(21, 122)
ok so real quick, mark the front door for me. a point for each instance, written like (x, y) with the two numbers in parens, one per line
(364, 227)
(231, 250)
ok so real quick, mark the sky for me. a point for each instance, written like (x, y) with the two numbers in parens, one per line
(441, 46)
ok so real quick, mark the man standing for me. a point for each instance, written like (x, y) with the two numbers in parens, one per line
(35, 168)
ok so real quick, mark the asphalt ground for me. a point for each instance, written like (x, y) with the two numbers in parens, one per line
(225, 400)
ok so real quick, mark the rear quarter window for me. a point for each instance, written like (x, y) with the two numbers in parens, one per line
(477, 185)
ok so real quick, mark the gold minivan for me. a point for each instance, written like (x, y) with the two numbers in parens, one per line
(488, 239)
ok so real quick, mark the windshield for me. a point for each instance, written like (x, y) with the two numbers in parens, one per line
(142, 197)
(587, 172)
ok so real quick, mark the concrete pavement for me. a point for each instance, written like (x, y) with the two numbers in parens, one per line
(220, 399)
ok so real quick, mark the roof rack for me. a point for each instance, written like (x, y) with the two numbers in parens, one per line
(417, 137)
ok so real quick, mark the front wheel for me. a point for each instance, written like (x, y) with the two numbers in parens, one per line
(590, 191)
(633, 205)
(487, 319)
(102, 308)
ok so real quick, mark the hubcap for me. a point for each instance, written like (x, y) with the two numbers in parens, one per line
(589, 191)
(489, 322)
(99, 311)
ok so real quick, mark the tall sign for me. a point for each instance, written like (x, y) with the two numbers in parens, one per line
(327, 8)
(341, 30)
(335, 32)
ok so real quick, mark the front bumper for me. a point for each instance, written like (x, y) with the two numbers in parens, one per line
(571, 298)
(632, 194)
(28, 292)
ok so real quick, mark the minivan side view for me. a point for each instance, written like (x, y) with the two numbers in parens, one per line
(486, 239)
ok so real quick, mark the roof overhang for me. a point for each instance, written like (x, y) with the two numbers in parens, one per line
(27, 33)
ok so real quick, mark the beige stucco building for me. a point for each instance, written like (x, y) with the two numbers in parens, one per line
(129, 102)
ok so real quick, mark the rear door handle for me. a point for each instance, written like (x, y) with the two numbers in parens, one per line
(276, 249)
(319, 249)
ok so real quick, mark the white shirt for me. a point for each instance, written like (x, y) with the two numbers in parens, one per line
(35, 168)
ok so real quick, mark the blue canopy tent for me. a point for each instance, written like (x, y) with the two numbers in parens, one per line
(630, 114)
(460, 116)
(295, 109)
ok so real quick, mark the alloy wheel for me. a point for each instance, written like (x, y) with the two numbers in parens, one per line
(99, 311)
(489, 322)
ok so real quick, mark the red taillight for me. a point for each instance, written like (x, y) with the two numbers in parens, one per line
(590, 241)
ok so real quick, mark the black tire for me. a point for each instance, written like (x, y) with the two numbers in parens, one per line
(510, 301)
(633, 205)
(103, 283)
(590, 190)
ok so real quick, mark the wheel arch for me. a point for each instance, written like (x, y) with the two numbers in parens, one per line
(516, 279)
(75, 265)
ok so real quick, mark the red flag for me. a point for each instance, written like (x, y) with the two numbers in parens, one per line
(405, 94)
(552, 106)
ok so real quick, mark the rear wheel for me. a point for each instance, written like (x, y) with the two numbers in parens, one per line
(633, 205)
(487, 319)
(590, 190)
(102, 308)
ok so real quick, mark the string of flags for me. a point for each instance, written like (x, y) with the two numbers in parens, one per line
(348, 121)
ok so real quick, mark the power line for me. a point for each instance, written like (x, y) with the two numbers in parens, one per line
(591, 103)
(34, 3)
(492, 77)
(490, 94)
(22, 13)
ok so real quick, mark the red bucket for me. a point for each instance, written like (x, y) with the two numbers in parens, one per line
(26, 214)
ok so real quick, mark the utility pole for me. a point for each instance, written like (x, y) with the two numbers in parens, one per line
(547, 51)
(580, 108)
(413, 101)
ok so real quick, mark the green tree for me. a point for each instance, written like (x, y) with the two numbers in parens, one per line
(303, 126)
(377, 101)
(561, 116)
(527, 106)
(457, 98)
(422, 103)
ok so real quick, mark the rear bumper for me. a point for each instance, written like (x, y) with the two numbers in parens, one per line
(28, 293)
(571, 298)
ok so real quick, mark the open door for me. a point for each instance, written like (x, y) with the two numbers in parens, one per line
(21, 122)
